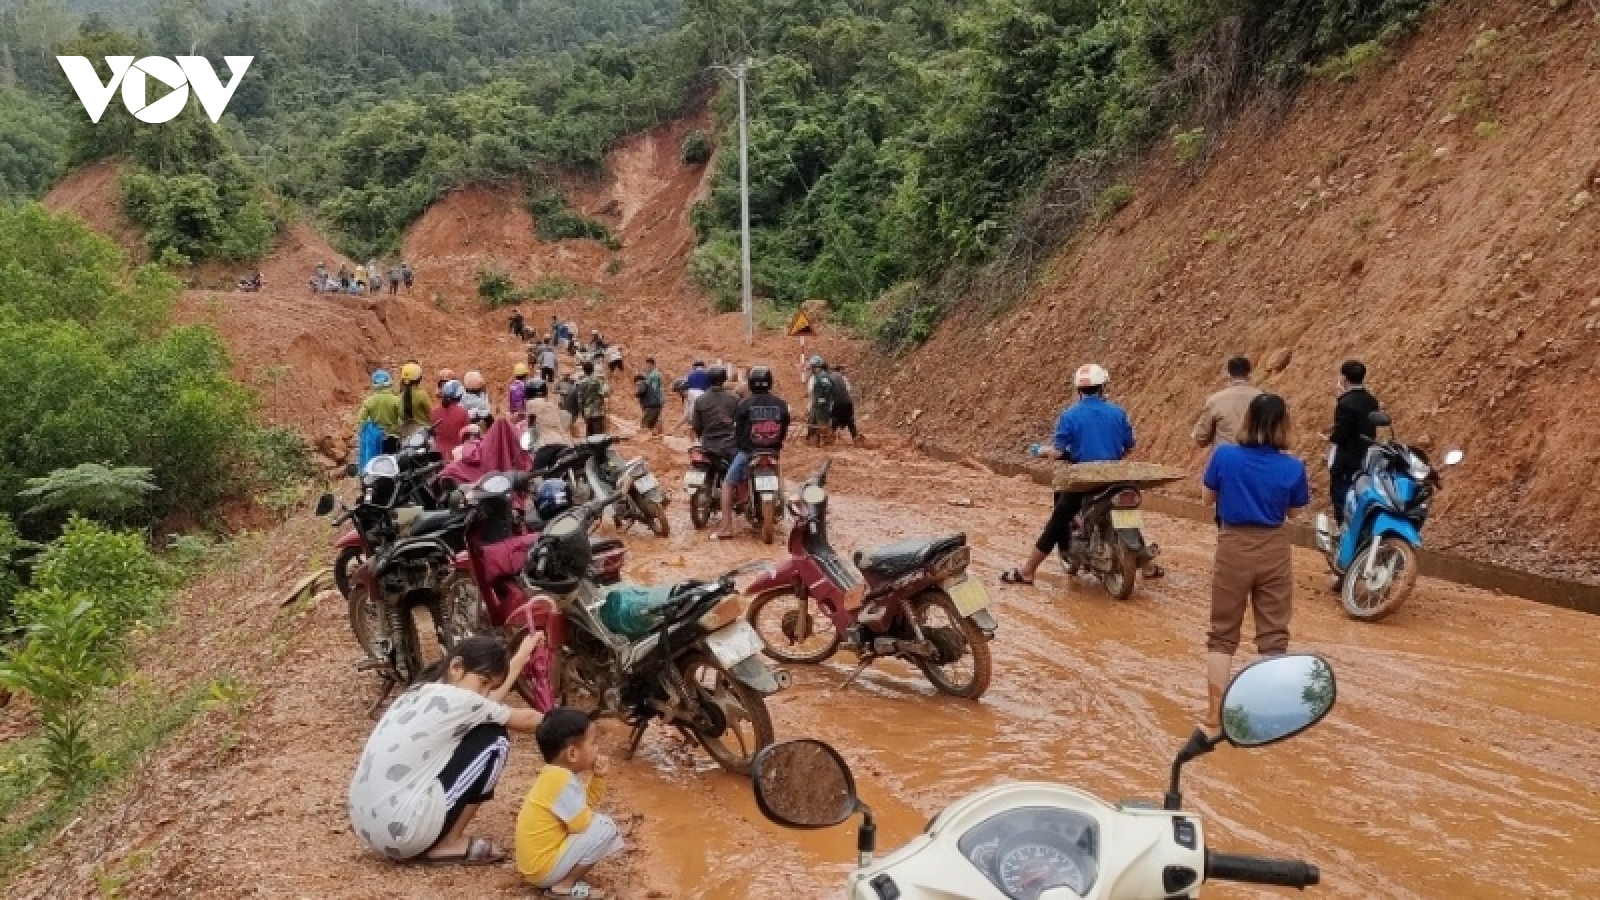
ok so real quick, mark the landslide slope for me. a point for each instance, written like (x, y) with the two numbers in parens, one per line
(1435, 217)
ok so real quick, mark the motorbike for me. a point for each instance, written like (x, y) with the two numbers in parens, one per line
(758, 496)
(404, 571)
(1374, 557)
(488, 592)
(1041, 841)
(678, 653)
(593, 470)
(916, 602)
(415, 502)
(1109, 539)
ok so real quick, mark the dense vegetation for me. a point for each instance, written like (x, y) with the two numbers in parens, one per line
(900, 147)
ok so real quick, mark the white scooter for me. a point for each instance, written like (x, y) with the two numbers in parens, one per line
(1038, 841)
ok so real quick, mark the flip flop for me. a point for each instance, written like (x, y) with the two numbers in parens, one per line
(718, 536)
(480, 852)
(580, 891)
(1014, 576)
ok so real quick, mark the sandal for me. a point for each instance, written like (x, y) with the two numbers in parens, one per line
(719, 536)
(1014, 576)
(1155, 572)
(480, 852)
(580, 891)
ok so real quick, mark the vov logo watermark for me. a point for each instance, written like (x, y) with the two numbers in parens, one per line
(133, 77)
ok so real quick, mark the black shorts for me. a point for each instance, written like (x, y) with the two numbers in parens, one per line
(469, 778)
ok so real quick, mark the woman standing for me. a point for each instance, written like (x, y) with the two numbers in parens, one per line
(1255, 486)
(436, 755)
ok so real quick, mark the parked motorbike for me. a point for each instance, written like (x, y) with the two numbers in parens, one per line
(679, 652)
(1109, 542)
(1374, 557)
(416, 503)
(758, 497)
(917, 602)
(404, 571)
(488, 591)
(1040, 841)
(593, 469)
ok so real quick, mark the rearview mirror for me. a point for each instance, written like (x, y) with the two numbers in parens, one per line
(527, 441)
(1378, 417)
(813, 494)
(804, 784)
(352, 470)
(324, 504)
(1276, 698)
(1453, 457)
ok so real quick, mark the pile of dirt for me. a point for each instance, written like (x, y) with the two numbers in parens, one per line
(94, 194)
(1437, 218)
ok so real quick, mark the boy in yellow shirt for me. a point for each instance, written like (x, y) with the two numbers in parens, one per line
(559, 838)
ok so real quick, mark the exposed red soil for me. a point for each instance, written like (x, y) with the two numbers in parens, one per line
(1436, 218)
(93, 194)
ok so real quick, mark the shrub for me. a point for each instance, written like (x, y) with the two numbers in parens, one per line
(715, 265)
(281, 456)
(696, 148)
(556, 221)
(114, 570)
(1188, 145)
(66, 655)
(495, 288)
(90, 489)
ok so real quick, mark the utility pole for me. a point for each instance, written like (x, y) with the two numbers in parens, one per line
(739, 72)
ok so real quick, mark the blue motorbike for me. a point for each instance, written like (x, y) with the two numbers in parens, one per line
(1374, 557)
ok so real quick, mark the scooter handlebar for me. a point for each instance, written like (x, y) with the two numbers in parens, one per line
(1261, 870)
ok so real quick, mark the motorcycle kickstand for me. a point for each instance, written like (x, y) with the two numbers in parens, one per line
(862, 667)
(388, 687)
(635, 738)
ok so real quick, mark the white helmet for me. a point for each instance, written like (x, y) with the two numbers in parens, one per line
(1090, 375)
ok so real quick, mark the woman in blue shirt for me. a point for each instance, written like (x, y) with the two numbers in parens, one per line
(1255, 485)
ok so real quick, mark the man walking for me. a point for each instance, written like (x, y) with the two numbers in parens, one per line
(1222, 419)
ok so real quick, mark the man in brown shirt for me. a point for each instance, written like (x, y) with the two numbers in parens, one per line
(1223, 417)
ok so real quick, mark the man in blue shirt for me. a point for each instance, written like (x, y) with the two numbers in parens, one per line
(1092, 430)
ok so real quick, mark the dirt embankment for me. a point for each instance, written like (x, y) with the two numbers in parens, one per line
(1439, 218)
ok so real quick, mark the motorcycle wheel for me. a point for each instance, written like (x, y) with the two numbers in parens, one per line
(1123, 575)
(366, 618)
(746, 727)
(769, 518)
(462, 609)
(653, 515)
(1360, 602)
(936, 612)
(780, 637)
(344, 567)
(700, 507)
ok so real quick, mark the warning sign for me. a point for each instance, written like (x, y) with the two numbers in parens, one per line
(800, 324)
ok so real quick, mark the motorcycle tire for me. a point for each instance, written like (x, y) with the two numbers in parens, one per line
(366, 618)
(701, 504)
(732, 749)
(461, 609)
(1123, 576)
(769, 518)
(969, 635)
(822, 628)
(344, 567)
(653, 515)
(1363, 605)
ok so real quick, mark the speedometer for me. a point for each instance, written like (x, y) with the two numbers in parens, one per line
(1029, 868)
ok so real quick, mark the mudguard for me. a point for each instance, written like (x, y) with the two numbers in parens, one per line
(784, 575)
(753, 673)
(351, 538)
(1131, 538)
(1386, 524)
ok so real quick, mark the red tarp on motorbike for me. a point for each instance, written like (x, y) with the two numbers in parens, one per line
(499, 451)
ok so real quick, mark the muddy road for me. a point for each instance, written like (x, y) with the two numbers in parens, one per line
(1460, 761)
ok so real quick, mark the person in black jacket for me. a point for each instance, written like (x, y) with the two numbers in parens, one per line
(761, 424)
(1352, 433)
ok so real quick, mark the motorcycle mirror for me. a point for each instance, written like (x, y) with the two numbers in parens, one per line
(1379, 417)
(527, 441)
(324, 504)
(803, 784)
(417, 439)
(352, 470)
(813, 494)
(1454, 457)
(1277, 698)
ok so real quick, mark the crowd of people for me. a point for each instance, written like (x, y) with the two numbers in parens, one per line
(363, 279)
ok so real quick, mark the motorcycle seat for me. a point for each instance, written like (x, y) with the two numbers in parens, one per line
(431, 522)
(903, 556)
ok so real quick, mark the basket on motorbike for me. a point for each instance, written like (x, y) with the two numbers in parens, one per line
(1083, 478)
(634, 611)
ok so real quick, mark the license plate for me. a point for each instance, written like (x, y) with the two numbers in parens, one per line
(1126, 518)
(767, 484)
(969, 595)
(694, 479)
(734, 644)
(645, 483)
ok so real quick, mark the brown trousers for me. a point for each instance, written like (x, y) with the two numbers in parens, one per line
(1254, 567)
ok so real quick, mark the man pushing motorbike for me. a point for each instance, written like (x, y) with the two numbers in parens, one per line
(1091, 430)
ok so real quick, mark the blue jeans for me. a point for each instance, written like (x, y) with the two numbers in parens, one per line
(736, 469)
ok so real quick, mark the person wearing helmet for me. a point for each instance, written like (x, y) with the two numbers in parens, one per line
(449, 418)
(760, 425)
(517, 393)
(819, 424)
(378, 419)
(444, 376)
(416, 407)
(592, 391)
(475, 392)
(471, 440)
(1091, 430)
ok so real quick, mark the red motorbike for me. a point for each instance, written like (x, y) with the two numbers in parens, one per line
(917, 602)
(487, 590)
(758, 496)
